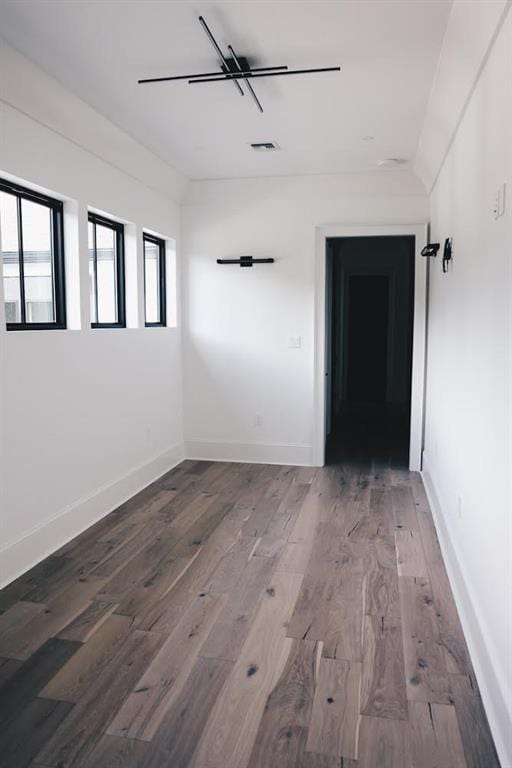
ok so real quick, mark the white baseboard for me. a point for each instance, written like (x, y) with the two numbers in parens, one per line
(490, 680)
(255, 453)
(20, 555)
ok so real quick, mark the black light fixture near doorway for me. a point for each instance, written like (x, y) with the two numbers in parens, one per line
(237, 69)
(430, 250)
(245, 261)
(447, 253)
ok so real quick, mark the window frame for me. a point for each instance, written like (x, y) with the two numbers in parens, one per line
(160, 243)
(58, 261)
(118, 228)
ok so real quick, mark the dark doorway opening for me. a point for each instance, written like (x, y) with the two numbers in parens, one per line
(370, 285)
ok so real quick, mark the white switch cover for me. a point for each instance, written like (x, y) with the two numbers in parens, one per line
(498, 208)
(294, 342)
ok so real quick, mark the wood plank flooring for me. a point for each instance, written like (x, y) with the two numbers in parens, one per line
(244, 616)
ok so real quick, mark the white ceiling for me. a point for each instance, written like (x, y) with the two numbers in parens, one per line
(388, 50)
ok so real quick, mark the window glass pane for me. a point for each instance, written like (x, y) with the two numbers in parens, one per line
(36, 224)
(92, 272)
(106, 274)
(152, 281)
(39, 311)
(10, 257)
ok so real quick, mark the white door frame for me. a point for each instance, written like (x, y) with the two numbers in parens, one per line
(419, 231)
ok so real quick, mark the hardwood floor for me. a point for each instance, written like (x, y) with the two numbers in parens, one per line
(244, 616)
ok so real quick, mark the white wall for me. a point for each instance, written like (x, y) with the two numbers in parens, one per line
(88, 417)
(237, 322)
(468, 442)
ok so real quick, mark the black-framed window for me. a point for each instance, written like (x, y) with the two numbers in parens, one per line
(154, 280)
(32, 241)
(106, 272)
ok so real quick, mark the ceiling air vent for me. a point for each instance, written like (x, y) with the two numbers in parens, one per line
(265, 146)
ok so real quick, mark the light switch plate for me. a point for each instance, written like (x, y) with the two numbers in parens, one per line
(294, 342)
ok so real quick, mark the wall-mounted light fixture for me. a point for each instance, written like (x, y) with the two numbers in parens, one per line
(447, 253)
(430, 250)
(245, 261)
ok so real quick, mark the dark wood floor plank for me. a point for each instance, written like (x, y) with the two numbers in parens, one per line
(269, 503)
(234, 622)
(74, 679)
(57, 613)
(383, 743)
(477, 741)
(231, 567)
(8, 667)
(383, 680)
(32, 676)
(114, 752)
(334, 724)
(294, 557)
(83, 627)
(425, 666)
(314, 760)
(283, 729)
(153, 694)
(13, 623)
(198, 533)
(282, 522)
(24, 736)
(118, 558)
(79, 733)
(177, 737)
(316, 506)
(435, 736)
(404, 508)
(330, 605)
(410, 557)
(231, 729)
(381, 596)
(70, 569)
(13, 592)
(164, 614)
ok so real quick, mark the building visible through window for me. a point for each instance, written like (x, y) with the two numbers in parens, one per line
(32, 258)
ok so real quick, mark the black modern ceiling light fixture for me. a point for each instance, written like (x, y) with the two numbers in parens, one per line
(236, 69)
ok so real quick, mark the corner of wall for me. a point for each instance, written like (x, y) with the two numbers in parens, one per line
(20, 555)
(470, 35)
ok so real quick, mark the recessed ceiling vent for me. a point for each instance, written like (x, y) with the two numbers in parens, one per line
(391, 162)
(265, 146)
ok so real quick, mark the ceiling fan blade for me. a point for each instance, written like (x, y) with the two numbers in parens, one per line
(239, 75)
(218, 51)
(249, 86)
(205, 74)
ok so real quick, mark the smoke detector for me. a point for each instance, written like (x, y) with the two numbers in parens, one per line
(265, 146)
(391, 162)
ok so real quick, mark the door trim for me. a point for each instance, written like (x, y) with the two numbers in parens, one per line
(419, 232)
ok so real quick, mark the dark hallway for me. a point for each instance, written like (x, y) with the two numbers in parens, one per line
(370, 283)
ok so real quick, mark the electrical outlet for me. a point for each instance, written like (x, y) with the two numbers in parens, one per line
(294, 342)
(498, 208)
(258, 419)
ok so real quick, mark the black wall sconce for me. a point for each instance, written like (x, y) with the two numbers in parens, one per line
(245, 261)
(447, 253)
(430, 250)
